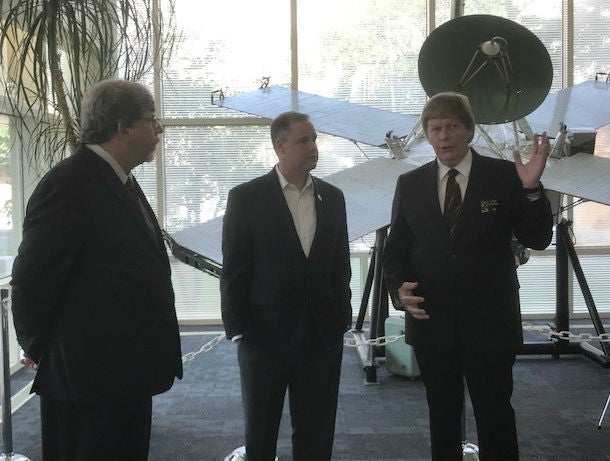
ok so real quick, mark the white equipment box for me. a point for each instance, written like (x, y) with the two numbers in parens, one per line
(399, 356)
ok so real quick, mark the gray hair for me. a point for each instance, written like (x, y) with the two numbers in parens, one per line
(108, 102)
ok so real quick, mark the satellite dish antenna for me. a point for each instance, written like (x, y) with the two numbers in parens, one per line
(501, 66)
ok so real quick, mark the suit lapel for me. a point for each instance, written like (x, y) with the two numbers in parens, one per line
(323, 219)
(470, 204)
(429, 195)
(107, 176)
(157, 237)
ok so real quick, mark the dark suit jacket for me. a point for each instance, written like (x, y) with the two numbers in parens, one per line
(92, 298)
(270, 291)
(470, 282)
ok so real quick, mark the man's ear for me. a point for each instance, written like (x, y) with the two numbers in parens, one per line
(121, 128)
(278, 146)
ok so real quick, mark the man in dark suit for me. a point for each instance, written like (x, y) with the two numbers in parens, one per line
(448, 262)
(92, 297)
(285, 294)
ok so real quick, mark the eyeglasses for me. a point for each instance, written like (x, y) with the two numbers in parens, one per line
(154, 121)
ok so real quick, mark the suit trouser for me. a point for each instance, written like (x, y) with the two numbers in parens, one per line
(101, 430)
(489, 379)
(312, 380)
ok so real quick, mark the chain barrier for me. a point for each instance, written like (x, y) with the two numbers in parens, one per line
(546, 330)
(566, 335)
(207, 347)
(382, 341)
(348, 342)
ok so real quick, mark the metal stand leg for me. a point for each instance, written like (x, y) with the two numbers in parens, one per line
(601, 418)
(379, 311)
(239, 454)
(5, 387)
(470, 451)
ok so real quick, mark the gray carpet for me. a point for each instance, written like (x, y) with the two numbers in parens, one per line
(558, 404)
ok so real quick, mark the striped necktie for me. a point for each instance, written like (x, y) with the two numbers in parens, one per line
(453, 200)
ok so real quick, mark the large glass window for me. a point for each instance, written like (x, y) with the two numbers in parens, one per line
(592, 56)
(591, 38)
(362, 51)
(203, 163)
(8, 238)
(226, 45)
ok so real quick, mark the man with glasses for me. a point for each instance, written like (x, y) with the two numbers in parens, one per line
(92, 298)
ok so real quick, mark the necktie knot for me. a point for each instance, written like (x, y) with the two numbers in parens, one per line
(129, 184)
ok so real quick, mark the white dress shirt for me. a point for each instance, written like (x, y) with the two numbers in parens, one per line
(302, 206)
(99, 150)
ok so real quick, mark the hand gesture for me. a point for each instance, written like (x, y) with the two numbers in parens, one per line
(411, 302)
(531, 172)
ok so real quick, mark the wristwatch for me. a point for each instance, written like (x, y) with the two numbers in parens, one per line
(533, 190)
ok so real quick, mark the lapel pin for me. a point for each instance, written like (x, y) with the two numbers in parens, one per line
(488, 206)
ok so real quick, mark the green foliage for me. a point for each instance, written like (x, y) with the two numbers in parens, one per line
(52, 50)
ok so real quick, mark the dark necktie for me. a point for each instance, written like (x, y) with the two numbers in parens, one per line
(135, 196)
(453, 200)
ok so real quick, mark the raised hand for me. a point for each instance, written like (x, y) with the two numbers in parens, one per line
(531, 172)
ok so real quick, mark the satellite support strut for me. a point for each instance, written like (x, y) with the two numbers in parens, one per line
(493, 51)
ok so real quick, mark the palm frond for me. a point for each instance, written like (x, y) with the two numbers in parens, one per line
(52, 50)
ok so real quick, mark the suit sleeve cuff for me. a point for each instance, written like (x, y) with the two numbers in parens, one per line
(534, 193)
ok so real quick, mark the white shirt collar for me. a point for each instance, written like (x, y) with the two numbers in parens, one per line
(99, 150)
(284, 182)
(463, 167)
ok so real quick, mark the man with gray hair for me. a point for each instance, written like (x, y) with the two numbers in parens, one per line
(92, 298)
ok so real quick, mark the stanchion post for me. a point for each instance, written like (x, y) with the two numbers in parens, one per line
(5, 386)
